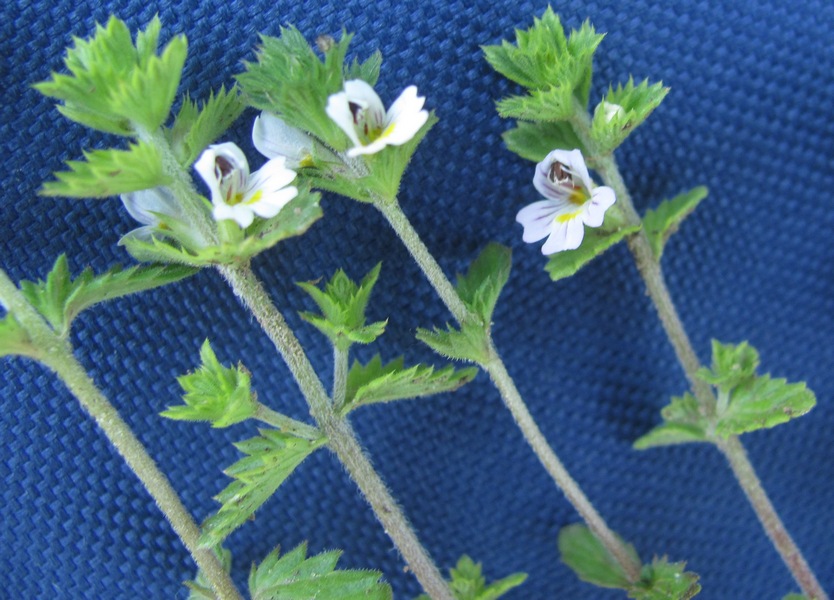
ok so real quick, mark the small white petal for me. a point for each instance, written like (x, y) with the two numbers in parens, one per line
(566, 235)
(141, 205)
(272, 176)
(361, 93)
(271, 204)
(273, 137)
(537, 220)
(240, 213)
(338, 109)
(602, 198)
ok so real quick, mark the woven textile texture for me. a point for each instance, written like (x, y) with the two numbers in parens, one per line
(749, 115)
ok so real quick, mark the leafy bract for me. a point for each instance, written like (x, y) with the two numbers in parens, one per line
(610, 127)
(271, 457)
(200, 588)
(290, 80)
(480, 287)
(468, 583)
(469, 343)
(588, 558)
(662, 580)
(107, 173)
(763, 403)
(555, 69)
(214, 393)
(13, 338)
(596, 241)
(293, 220)
(196, 127)
(342, 304)
(732, 365)
(293, 576)
(534, 141)
(683, 423)
(115, 86)
(662, 222)
(60, 298)
(376, 382)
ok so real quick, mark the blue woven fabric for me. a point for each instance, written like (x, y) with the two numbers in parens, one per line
(749, 115)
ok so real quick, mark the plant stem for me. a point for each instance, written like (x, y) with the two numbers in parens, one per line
(509, 394)
(287, 424)
(340, 372)
(732, 449)
(56, 354)
(341, 438)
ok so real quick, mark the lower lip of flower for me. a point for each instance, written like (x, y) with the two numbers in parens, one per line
(564, 218)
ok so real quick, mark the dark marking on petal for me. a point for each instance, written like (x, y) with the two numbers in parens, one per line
(223, 165)
(356, 111)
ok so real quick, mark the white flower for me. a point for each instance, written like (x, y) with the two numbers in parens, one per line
(361, 115)
(273, 138)
(235, 193)
(146, 206)
(572, 201)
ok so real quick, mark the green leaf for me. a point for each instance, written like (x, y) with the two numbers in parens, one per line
(200, 588)
(534, 141)
(596, 241)
(662, 580)
(487, 275)
(636, 103)
(683, 423)
(195, 128)
(115, 86)
(732, 365)
(763, 403)
(296, 577)
(271, 457)
(661, 223)
(13, 338)
(795, 597)
(214, 393)
(588, 558)
(376, 382)
(290, 80)
(60, 298)
(553, 103)
(293, 220)
(342, 304)
(109, 173)
(467, 582)
(469, 343)
(367, 71)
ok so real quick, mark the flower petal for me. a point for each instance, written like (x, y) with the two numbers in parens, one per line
(271, 204)
(537, 220)
(241, 213)
(338, 109)
(566, 235)
(361, 93)
(272, 176)
(141, 205)
(602, 198)
(405, 117)
(273, 137)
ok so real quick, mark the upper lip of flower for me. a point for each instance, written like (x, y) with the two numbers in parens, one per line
(359, 112)
(273, 137)
(239, 195)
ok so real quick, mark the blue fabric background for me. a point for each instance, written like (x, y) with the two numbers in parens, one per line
(749, 115)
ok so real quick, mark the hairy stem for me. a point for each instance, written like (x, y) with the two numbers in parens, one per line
(57, 355)
(509, 394)
(340, 372)
(341, 438)
(732, 449)
(287, 424)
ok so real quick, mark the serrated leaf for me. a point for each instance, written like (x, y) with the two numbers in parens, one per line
(291, 81)
(214, 393)
(195, 128)
(367, 71)
(296, 577)
(469, 343)
(486, 277)
(107, 173)
(13, 338)
(763, 403)
(200, 588)
(662, 222)
(534, 141)
(596, 241)
(271, 458)
(553, 103)
(587, 557)
(467, 582)
(60, 298)
(343, 303)
(293, 220)
(732, 365)
(683, 423)
(376, 382)
(635, 103)
(662, 580)
(115, 86)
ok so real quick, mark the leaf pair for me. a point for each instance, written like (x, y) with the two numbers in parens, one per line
(746, 401)
(468, 583)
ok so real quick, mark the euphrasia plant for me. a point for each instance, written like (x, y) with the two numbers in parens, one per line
(324, 128)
